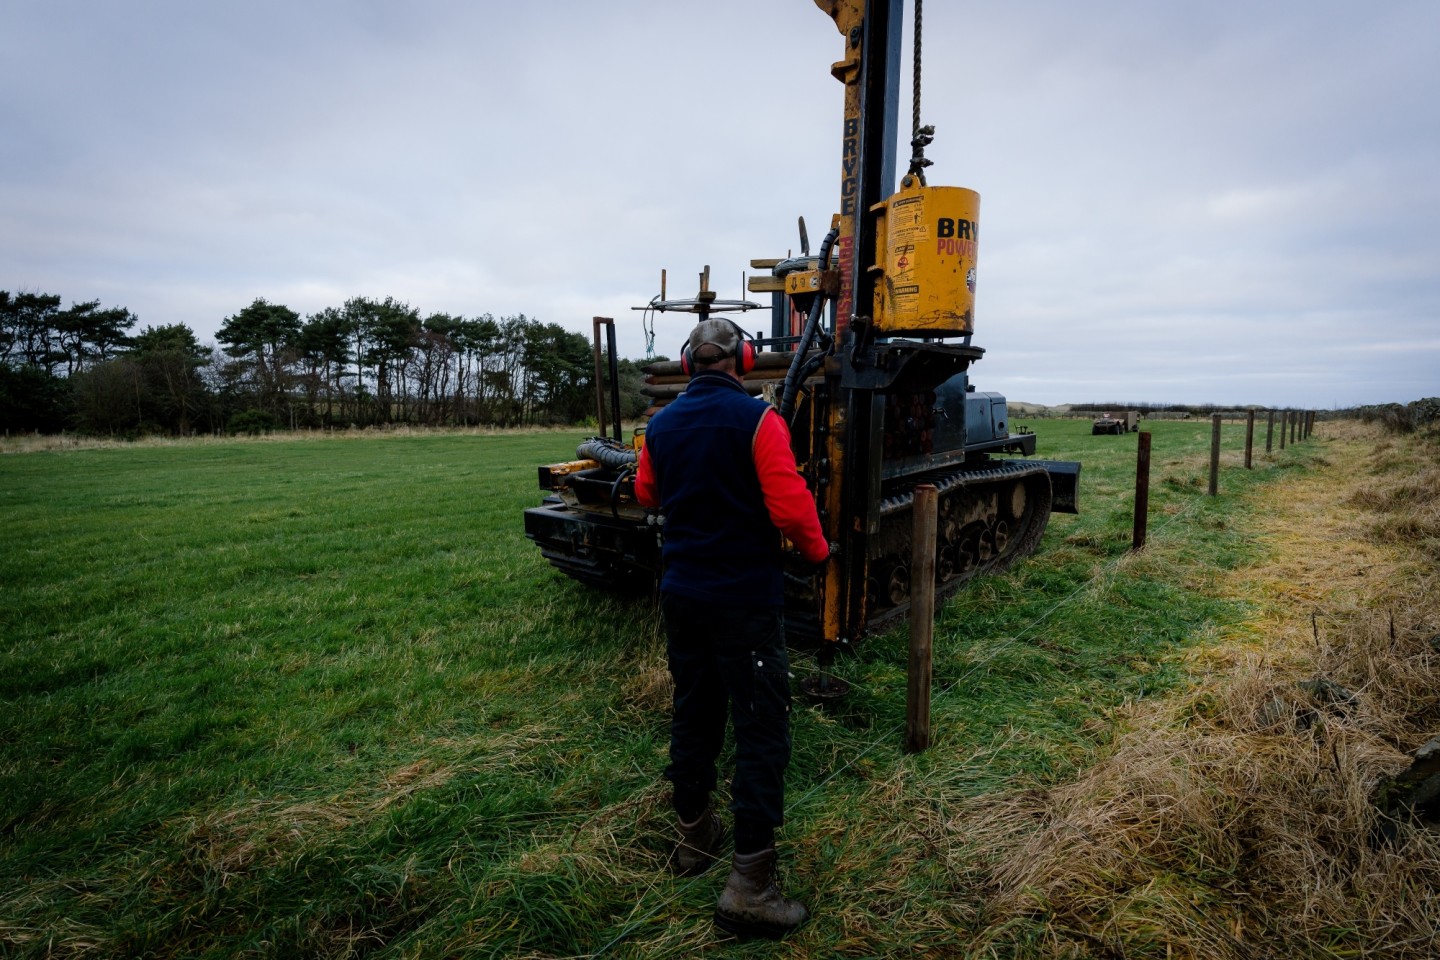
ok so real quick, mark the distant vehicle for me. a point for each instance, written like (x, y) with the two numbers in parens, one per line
(1125, 422)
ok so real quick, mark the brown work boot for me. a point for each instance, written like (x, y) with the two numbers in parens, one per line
(752, 905)
(699, 843)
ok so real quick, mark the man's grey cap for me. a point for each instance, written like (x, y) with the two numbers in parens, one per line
(721, 335)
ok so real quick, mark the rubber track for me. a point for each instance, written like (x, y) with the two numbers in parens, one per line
(948, 482)
(801, 624)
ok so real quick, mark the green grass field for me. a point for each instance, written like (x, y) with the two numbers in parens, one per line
(323, 698)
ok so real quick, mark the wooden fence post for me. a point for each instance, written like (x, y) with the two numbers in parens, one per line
(1142, 490)
(922, 618)
(1269, 430)
(1249, 436)
(1284, 422)
(1214, 453)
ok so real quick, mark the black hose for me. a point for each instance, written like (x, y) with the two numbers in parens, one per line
(613, 455)
(811, 365)
(609, 452)
(625, 474)
(812, 322)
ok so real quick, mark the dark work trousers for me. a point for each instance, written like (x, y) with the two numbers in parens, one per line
(729, 656)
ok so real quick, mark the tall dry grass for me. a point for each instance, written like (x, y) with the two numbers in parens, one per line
(1236, 820)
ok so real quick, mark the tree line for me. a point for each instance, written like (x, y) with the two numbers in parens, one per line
(367, 363)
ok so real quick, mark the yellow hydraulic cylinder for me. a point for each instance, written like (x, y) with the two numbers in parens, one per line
(925, 248)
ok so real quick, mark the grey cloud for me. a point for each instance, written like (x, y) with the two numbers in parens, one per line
(1212, 202)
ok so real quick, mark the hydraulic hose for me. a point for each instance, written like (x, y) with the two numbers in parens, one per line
(613, 455)
(812, 323)
(624, 474)
(608, 452)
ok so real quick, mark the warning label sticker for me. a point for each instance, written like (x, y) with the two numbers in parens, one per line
(905, 297)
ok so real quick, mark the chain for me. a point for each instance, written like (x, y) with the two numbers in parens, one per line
(920, 137)
(919, 19)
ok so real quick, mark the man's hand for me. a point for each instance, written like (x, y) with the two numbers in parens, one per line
(818, 563)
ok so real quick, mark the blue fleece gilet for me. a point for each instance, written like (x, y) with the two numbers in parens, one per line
(719, 542)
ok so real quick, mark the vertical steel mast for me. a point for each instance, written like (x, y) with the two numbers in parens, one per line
(870, 71)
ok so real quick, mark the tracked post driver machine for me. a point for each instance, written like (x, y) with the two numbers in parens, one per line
(867, 357)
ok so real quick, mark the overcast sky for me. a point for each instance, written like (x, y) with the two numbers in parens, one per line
(1231, 202)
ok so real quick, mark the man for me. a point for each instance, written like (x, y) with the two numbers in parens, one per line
(718, 464)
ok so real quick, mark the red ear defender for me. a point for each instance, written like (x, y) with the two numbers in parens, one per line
(745, 361)
(686, 367)
(744, 352)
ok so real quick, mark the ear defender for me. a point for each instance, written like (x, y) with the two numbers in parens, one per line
(744, 352)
